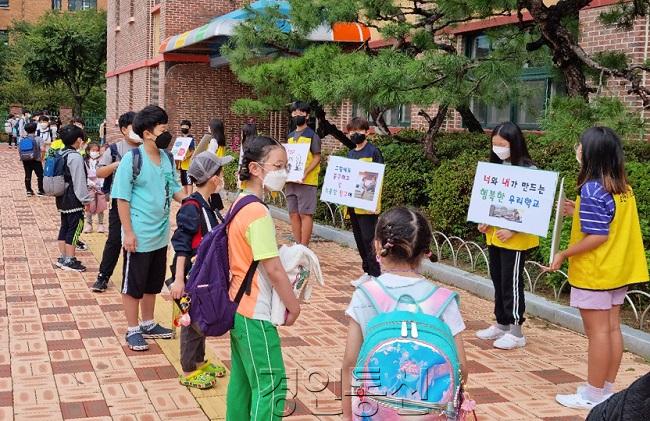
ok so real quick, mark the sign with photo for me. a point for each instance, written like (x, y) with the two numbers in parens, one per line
(296, 160)
(353, 183)
(181, 147)
(516, 198)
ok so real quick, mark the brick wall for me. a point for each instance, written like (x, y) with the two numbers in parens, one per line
(595, 37)
(199, 93)
(178, 16)
(31, 10)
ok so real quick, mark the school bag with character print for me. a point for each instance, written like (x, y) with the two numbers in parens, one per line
(408, 364)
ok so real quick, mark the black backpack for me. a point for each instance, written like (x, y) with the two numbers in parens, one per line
(115, 156)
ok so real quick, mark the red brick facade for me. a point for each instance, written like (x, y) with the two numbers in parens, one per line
(31, 10)
(188, 87)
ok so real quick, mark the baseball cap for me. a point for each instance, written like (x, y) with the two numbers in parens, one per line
(205, 165)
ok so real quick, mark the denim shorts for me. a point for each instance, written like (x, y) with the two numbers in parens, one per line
(597, 300)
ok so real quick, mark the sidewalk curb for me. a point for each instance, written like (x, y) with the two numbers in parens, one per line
(635, 340)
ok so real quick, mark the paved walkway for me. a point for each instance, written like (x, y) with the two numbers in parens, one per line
(62, 352)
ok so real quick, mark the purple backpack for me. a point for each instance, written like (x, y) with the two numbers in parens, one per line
(211, 308)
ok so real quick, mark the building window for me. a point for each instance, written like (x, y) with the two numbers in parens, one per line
(155, 34)
(4, 3)
(539, 88)
(82, 4)
(399, 116)
(56, 5)
(153, 85)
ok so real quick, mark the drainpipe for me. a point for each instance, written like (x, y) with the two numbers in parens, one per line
(645, 59)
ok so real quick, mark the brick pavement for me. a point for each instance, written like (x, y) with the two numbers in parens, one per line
(62, 353)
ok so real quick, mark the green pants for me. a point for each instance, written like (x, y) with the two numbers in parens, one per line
(257, 387)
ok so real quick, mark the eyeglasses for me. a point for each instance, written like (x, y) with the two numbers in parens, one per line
(276, 166)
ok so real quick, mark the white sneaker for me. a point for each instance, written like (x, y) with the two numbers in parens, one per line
(491, 333)
(88, 228)
(578, 400)
(363, 278)
(510, 341)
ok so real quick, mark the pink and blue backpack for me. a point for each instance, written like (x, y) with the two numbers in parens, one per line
(408, 363)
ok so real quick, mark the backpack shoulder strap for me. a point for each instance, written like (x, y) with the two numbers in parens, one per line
(204, 223)
(136, 164)
(169, 156)
(115, 154)
(378, 296)
(239, 205)
(436, 303)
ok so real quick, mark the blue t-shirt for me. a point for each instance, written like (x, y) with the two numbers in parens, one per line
(150, 198)
(597, 208)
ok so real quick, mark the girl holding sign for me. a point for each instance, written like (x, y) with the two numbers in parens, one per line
(605, 256)
(507, 250)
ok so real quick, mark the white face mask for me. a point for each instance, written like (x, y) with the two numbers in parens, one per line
(503, 152)
(275, 180)
(94, 154)
(134, 137)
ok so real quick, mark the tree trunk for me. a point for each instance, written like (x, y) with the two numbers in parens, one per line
(429, 140)
(325, 128)
(381, 126)
(78, 106)
(469, 120)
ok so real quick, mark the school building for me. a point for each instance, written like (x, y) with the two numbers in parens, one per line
(166, 52)
(32, 10)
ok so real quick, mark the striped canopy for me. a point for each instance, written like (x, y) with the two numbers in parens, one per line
(207, 38)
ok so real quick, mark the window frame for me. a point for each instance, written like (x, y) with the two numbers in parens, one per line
(528, 74)
(77, 5)
(4, 6)
(403, 118)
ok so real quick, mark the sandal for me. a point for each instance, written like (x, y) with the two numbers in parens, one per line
(197, 379)
(212, 369)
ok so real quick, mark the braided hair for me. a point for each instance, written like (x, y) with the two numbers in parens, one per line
(255, 150)
(404, 234)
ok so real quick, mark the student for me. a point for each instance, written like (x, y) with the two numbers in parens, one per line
(44, 132)
(75, 197)
(218, 141)
(184, 165)
(257, 379)
(10, 130)
(248, 131)
(403, 237)
(605, 255)
(95, 184)
(106, 169)
(196, 218)
(508, 250)
(32, 165)
(364, 222)
(143, 204)
(22, 122)
(301, 197)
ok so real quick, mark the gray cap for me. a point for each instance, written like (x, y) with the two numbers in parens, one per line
(205, 165)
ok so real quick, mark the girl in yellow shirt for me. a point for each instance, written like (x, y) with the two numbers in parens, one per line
(508, 250)
(605, 256)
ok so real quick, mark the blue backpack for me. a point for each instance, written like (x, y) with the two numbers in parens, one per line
(55, 173)
(209, 281)
(408, 363)
(28, 149)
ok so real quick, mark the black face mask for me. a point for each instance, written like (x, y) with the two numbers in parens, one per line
(299, 120)
(185, 131)
(358, 138)
(163, 140)
(216, 204)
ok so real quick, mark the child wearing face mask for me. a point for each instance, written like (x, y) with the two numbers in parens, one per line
(184, 165)
(508, 250)
(364, 222)
(45, 133)
(98, 203)
(194, 220)
(257, 378)
(605, 257)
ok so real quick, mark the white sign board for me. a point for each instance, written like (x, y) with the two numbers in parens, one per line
(559, 223)
(296, 160)
(353, 183)
(516, 198)
(181, 147)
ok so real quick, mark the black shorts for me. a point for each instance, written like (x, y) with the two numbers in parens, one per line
(185, 178)
(71, 226)
(144, 273)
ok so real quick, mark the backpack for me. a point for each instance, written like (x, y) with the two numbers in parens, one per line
(137, 162)
(108, 181)
(39, 133)
(54, 173)
(408, 362)
(28, 149)
(211, 308)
